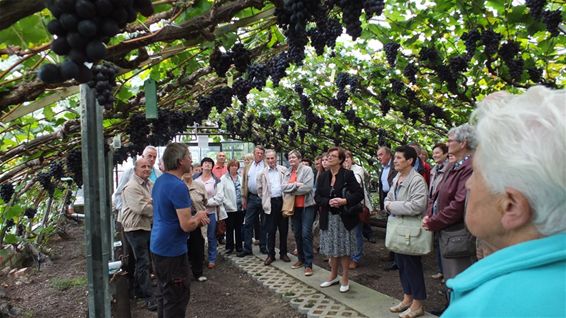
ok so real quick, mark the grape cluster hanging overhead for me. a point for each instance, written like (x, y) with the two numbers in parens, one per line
(81, 29)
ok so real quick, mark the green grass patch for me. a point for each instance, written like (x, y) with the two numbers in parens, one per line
(66, 283)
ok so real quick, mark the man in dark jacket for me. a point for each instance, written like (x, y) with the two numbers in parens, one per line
(386, 175)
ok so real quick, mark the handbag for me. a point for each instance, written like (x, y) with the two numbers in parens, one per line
(456, 242)
(351, 210)
(405, 235)
(288, 208)
(365, 214)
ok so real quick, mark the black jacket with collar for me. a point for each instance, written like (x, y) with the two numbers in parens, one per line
(390, 177)
(354, 195)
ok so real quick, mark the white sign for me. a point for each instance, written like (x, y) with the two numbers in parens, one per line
(202, 141)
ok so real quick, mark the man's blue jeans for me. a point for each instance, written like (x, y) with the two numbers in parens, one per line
(359, 243)
(302, 222)
(253, 209)
(211, 235)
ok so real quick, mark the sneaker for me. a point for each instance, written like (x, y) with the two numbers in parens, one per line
(202, 279)
(297, 264)
(308, 271)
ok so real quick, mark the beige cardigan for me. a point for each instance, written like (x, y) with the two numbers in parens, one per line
(411, 198)
(264, 187)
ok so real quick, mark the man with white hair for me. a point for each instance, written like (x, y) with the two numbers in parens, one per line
(149, 153)
(517, 204)
(269, 189)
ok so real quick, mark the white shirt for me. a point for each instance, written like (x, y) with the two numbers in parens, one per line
(274, 178)
(255, 168)
(384, 182)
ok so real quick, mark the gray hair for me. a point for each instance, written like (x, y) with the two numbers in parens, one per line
(467, 133)
(270, 151)
(296, 153)
(173, 154)
(522, 145)
(149, 148)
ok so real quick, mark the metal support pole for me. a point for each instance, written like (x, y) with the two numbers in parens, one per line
(110, 216)
(96, 211)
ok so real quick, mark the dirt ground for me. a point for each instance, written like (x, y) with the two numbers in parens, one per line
(60, 290)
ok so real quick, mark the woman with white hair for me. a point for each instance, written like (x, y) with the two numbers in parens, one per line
(517, 204)
(446, 206)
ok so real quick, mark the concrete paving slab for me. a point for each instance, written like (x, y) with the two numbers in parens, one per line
(314, 300)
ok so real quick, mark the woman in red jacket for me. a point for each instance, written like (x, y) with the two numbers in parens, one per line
(447, 205)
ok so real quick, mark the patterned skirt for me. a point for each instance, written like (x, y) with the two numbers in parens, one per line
(337, 241)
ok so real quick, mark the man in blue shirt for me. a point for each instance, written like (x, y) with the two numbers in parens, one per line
(172, 221)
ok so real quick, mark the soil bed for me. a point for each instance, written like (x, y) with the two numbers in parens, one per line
(59, 290)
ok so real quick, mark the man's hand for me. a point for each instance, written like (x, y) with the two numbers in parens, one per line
(244, 203)
(202, 217)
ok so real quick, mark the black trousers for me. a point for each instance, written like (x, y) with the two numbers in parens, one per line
(139, 242)
(195, 244)
(234, 228)
(276, 221)
(173, 285)
(411, 275)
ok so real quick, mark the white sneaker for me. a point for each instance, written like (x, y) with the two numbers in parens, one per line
(202, 279)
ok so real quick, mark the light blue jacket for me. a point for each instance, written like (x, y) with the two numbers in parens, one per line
(523, 280)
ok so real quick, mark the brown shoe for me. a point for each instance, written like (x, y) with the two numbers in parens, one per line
(308, 271)
(285, 258)
(297, 264)
(353, 265)
(268, 261)
(211, 266)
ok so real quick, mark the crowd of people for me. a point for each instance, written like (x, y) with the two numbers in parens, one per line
(496, 193)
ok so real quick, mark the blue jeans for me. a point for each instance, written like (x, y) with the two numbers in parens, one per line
(211, 235)
(359, 243)
(253, 209)
(302, 222)
(411, 275)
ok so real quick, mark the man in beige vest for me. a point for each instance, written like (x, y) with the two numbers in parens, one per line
(136, 217)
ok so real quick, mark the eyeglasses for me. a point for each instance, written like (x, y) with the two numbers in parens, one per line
(332, 156)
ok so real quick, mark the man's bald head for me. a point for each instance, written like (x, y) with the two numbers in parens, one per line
(142, 168)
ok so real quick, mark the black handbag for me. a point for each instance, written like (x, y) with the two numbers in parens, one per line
(456, 242)
(350, 210)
